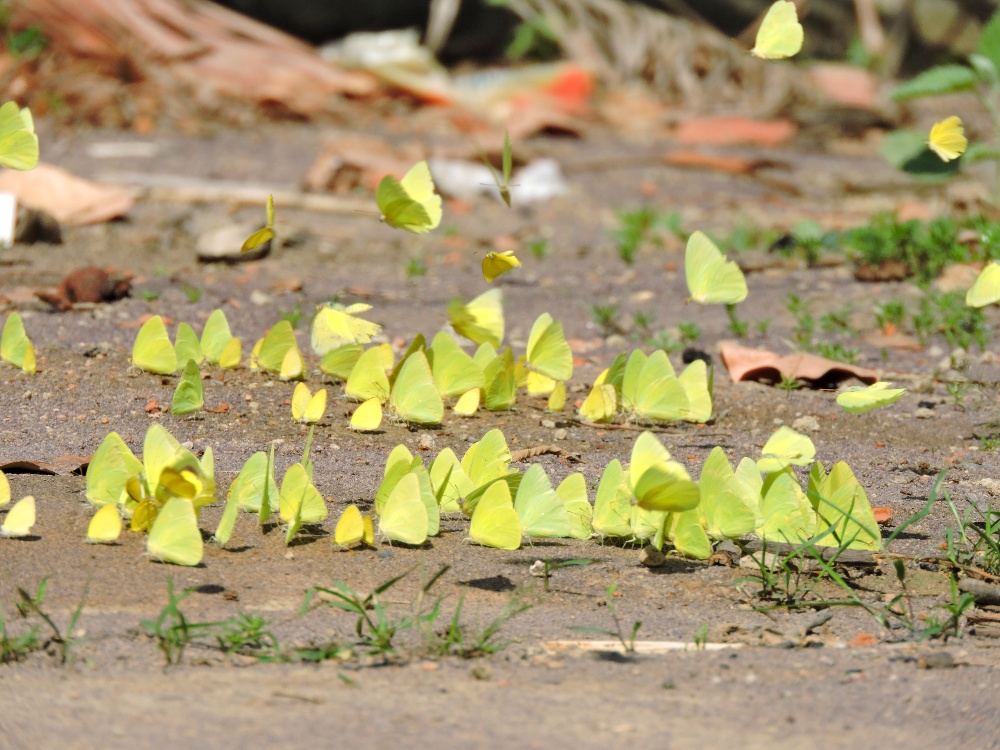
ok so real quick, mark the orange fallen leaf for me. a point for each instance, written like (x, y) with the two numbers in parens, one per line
(504, 242)
(726, 131)
(883, 516)
(286, 285)
(457, 206)
(847, 85)
(727, 164)
(457, 242)
(70, 199)
(893, 341)
(745, 363)
(862, 640)
(220, 409)
(152, 407)
(62, 466)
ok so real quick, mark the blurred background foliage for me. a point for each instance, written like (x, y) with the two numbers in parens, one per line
(909, 34)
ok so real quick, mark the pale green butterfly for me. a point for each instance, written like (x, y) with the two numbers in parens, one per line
(414, 398)
(495, 523)
(410, 203)
(189, 395)
(711, 279)
(859, 399)
(780, 34)
(403, 517)
(18, 142)
(152, 350)
(538, 506)
(455, 372)
(174, 536)
(110, 468)
(657, 482)
(786, 447)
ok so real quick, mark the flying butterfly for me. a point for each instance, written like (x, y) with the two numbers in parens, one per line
(780, 34)
(947, 139)
(410, 203)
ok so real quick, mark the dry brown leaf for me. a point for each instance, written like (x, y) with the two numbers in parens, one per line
(62, 466)
(70, 199)
(745, 363)
(727, 164)
(726, 131)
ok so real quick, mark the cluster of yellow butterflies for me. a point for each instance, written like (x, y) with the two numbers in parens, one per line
(651, 500)
(416, 387)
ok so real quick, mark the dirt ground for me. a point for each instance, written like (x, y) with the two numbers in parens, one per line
(822, 692)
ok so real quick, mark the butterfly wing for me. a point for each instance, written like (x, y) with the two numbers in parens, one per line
(947, 139)
(18, 142)
(494, 522)
(414, 396)
(986, 289)
(152, 350)
(20, 518)
(780, 34)
(174, 536)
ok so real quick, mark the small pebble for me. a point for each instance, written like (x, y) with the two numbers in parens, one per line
(560, 434)
(260, 298)
(548, 424)
(923, 413)
(426, 442)
(651, 557)
(807, 423)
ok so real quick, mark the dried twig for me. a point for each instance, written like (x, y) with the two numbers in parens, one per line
(542, 450)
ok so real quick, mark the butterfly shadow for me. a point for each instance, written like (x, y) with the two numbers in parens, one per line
(615, 657)
(498, 583)
(913, 535)
(674, 564)
(25, 538)
(309, 534)
(200, 565)
(403, 545)
(209, 588)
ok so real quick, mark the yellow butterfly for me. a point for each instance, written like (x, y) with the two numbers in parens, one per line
(947, 139)
(368, 416)
(780, 34)
(15, 346)
(410, 203)
(496, 264)
(18, 142)
(307, 407)
(20, 518)
(261, 236)
(105, 526)
(353, 527)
